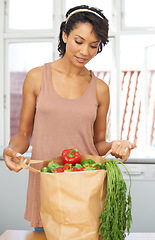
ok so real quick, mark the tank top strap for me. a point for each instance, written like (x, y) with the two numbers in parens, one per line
(91, 91)
(45, 85)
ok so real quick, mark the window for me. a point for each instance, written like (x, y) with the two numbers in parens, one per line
(27, 14)
(137, 92)
(150, 97)
(28, 39)
(126, 64)
(29, 57)
(138, 14)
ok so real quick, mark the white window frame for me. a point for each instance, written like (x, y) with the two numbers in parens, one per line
(8, 36)
(2, 96)
(138, 31)
(7, 78)
(146, 89)
(132, 29)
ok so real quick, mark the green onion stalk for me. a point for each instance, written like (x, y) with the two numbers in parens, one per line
(116, 218)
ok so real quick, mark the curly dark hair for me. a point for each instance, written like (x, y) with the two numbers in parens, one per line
(100, 26)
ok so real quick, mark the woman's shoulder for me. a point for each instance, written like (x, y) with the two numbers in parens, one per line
(102, 90)
(33, 79)
(35, 72)
(101, 85)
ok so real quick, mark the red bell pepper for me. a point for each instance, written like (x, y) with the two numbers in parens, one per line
(71, 156)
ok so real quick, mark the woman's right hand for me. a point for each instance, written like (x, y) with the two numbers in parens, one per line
(12, 159)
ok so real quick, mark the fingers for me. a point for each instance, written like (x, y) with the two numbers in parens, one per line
(12, 164)
(121, 149)
(133, 146)
(12, 159)
(125, 154)
(21, 158)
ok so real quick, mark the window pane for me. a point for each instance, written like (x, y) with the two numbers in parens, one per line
(22, 58)
(139, 13)
(105, 5)
(132, 50)
(137, 99)
(28, 14)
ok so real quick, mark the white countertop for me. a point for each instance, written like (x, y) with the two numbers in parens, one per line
(141, 236)
(13, 234)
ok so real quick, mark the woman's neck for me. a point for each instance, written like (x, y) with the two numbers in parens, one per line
(69, 69)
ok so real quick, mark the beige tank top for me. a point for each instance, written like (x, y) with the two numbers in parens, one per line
(59, 124)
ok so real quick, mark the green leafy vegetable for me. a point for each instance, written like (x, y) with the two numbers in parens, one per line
(45, 169)
(87, 162)
(116, 217)
(98, 165)
(78, 165)
(52, 166)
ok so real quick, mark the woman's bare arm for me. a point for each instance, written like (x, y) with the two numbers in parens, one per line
(120, 148)
(21, 141)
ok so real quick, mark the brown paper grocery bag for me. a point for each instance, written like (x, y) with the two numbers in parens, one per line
(71, 202)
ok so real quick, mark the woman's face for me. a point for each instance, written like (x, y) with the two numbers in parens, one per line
(81, 44)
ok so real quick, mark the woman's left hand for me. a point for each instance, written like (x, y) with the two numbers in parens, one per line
(121, 149)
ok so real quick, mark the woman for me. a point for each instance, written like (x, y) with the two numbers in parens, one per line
(65, 105)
